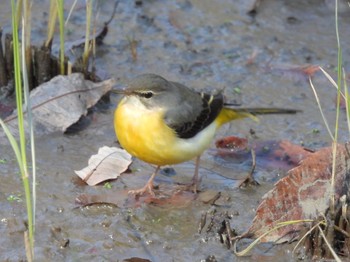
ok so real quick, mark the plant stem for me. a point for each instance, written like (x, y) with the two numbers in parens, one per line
(60, 7)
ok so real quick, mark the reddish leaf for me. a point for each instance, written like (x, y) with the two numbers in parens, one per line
(277, 154)
(310, 70)
(289, 152)
(234, 143)
(303, 194)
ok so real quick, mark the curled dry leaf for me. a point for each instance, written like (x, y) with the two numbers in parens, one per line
(304, 194)
(108, 164)
(61, 102)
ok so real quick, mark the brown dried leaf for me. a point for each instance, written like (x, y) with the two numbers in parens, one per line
(61, 102)
(303, 194)
(108, 164)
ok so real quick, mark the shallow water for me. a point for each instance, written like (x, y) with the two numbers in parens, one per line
(205, 45)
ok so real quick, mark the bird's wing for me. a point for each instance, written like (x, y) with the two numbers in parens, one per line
(194, 112)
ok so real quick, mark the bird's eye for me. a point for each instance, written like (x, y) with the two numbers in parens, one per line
(146, 94)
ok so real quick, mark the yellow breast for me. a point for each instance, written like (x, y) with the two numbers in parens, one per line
(144, 134)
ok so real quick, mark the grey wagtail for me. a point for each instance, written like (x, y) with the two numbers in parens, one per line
(165, 123)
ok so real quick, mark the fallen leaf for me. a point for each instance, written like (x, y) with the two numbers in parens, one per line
(167, 198)
(274, 153)
(108, 164)
(59, 103)
(233, 143)
(303, 194)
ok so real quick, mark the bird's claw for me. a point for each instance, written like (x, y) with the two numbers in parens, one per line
(148, 188)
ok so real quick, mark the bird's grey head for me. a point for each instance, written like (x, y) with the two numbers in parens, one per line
(151, 89)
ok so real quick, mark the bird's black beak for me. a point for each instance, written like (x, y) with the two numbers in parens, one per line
(123, 91)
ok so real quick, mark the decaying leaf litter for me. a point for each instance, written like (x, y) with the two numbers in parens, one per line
(60, 103)
(207, 181)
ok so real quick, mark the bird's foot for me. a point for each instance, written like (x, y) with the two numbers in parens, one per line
(248, 181)
(148, 188)
(192, 186)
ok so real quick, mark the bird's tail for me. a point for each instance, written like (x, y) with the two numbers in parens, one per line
(228, 114)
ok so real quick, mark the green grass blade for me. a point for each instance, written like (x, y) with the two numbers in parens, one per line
(22, 145)
(60, 7)
(18, 85)
(13, 143)
(86, 53)
(31, 128)
(52, 22)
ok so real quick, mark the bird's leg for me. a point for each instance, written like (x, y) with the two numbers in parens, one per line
(195, 179)
(249, 180)
(148, 187)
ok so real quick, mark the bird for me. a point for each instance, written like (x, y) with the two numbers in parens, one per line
(164, 123)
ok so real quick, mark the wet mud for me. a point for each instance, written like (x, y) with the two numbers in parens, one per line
(207, 45)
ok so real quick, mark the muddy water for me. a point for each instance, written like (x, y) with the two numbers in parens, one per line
(206, 45)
